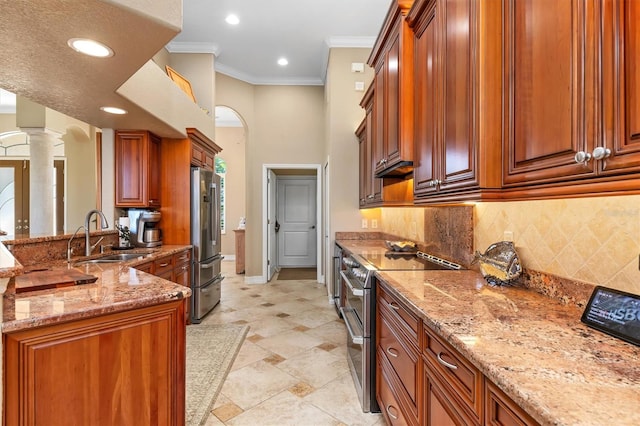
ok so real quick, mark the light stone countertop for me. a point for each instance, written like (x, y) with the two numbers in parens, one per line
(119, 287)
(534, 348)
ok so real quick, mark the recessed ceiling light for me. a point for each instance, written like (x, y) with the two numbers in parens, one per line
(283, 61)
(90, 47)
(113, 110)
(232, 19)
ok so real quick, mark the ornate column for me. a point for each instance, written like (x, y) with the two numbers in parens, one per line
(41, 208)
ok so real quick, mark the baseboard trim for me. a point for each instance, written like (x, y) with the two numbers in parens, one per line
(257, 279)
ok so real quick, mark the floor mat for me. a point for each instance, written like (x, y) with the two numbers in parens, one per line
(297, 274)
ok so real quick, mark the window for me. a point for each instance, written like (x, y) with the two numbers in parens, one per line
(221, 170)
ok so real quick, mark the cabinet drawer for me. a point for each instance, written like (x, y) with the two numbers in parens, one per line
(394, 309)
(402, 357)
(146, 267)
(181, 258)
(391, 396)
(501, 410)
(162, 265)
(464, 380)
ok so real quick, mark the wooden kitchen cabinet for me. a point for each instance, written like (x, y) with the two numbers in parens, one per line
(123, 368)
(457, 152)
(373, 191)
(585, 139)
(137, 169)
(391, 59)
(398, 386)
(421, 379)
(176, 268)
(176, 161)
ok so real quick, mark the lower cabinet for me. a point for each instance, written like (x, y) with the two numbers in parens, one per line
(126, 368)
(423, 380)
(176, 268)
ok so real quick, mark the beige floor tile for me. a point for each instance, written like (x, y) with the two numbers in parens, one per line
(248, 354)
(282, 410)
(212, 420)
(339, 398)
(250, 385)
(227, 411)
(290, 343)
(333, 331)
(315, 367)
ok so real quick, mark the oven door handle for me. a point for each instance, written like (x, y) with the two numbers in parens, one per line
(356, 292)
(348, 314)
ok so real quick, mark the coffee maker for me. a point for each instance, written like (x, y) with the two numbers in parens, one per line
(144, 227)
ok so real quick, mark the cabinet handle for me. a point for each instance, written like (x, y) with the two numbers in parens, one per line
(445, 363)
(393, 306)
(600, 153)
(393, 416)
(393, 352)
(370, 197)
(162, 265)
(582, 157)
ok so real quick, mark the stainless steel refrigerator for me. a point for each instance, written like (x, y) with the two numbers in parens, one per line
(205, 238)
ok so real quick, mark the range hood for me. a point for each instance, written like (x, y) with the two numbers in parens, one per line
(398, 170)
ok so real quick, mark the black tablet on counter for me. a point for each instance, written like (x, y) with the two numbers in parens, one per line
(614, 312)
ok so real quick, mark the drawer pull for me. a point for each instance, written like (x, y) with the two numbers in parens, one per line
(445, 363)
(393, 416)
(162, 265)
(393, 352)
(393, 306)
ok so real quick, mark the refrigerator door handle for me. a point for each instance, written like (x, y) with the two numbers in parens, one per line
(215, 219)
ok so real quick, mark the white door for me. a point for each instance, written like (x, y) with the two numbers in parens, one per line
(297, 221)
(272, 260)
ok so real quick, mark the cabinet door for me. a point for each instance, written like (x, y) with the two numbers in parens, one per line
(458, 75)
(137, 169)
(549, 90)
(131, 151)
(379, 111)
(425, 65)
(621, 86)
(440, 407)
(363, 164)
(153, 170)
(125, 368)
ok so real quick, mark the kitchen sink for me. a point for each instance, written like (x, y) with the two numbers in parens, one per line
(113, 258)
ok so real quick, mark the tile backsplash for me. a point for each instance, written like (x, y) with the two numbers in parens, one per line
(594, 240)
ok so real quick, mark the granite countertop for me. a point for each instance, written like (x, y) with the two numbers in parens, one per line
(533, 347)
(119, 287)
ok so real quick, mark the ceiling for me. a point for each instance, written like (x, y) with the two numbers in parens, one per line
(303, 31)
(38, 64)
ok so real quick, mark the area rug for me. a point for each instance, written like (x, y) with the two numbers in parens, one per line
(211, 350)
(297, 274)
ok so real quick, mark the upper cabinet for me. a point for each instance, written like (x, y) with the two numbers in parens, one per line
(457, 154)
(391, 60)
(571, 98)
(137, 169)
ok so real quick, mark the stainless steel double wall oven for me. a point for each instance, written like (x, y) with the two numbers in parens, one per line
(359, 309)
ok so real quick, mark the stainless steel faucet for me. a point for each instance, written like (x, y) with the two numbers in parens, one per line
(69, 248)
(87, 244)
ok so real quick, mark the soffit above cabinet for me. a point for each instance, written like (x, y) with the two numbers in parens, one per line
(38, 64)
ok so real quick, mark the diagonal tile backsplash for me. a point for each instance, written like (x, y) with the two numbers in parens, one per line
(595, 240)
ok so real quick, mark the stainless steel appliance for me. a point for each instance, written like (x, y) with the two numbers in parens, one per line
(143, 225)
(359, 310)
(205, 238)
(336, 290)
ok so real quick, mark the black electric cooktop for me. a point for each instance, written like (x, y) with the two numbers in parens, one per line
(402, 261)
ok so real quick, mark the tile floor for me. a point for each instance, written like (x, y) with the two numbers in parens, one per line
(292, 367)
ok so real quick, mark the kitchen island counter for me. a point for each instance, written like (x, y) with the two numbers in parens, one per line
(534, 348)
(119, 287)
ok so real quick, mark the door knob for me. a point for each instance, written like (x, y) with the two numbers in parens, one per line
(582, 157)
(601, 153)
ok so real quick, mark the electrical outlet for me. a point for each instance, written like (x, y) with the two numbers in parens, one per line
(364, 224)
(374, 223)
(508, 236)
